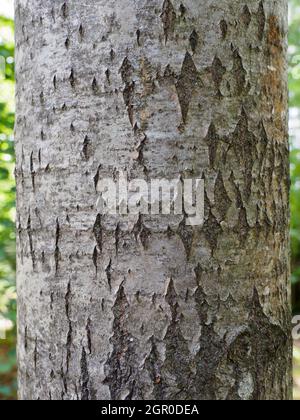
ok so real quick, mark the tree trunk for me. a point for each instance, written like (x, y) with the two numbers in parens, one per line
(109, 310)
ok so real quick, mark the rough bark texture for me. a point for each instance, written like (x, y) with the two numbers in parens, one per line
(152, 311)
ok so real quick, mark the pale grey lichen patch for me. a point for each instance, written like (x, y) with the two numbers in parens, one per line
(246, 387)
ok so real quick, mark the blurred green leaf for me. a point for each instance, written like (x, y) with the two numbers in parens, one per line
(4, 173)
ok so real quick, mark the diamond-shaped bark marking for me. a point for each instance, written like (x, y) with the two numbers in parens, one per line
(186, 235)
(246, 16)
(126, 70)
(243, 228)
(194, 40)
(222, 200)
(141, 232)
(212, 230)
(120, 367)
(261, 21)
(244, 144)
(212, 139)
(217, 71)
(239, 73)
(186, 85)
(168, 18)
(224, 28)
(262, 145)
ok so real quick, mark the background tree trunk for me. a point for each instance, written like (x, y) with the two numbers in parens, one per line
(152, 311)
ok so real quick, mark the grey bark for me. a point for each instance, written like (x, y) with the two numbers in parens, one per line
(152, 311)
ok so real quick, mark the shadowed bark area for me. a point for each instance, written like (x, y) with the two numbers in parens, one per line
(146, 307)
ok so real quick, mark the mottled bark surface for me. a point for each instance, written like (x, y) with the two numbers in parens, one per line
(152, 310)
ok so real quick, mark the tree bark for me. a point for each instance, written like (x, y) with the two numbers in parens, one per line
(152, 311)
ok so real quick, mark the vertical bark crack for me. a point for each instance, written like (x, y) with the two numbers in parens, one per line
(57, 250)
(97, 230)
(30, 238)
(85, 377)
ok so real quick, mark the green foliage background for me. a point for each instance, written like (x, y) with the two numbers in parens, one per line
(294, 83)
(7, 195)
(7, 211)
